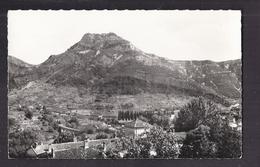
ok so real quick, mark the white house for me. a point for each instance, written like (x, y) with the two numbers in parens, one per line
(137, 128)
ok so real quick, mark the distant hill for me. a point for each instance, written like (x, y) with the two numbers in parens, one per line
(108, 64)
(19, 73)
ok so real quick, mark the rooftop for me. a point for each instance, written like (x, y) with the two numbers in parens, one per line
(138, 124)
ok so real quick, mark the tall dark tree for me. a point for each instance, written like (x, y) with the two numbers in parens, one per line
(119, 115)
(127, 115)
(131, 115)
(197, 112)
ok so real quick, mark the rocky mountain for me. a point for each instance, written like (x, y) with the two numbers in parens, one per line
(108, 64)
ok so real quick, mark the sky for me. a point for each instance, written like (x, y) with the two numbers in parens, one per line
(34, 35)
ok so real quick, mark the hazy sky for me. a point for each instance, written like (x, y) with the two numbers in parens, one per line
(178, 35)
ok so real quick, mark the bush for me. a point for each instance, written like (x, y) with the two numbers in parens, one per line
(64, 137)
(89, 129)
(28, 114)
(101, 136)
(74, 120)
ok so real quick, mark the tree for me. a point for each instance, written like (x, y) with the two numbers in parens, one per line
(197, 144)
(20, 142)
(228, 140)
(131, 115)
(64, 137)
(219, 141)
(197, 112)
(74, 120)
(163, 144)
(119, 115)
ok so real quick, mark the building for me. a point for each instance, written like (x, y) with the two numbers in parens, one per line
(62, 150)
(137, 128)
(174, 116)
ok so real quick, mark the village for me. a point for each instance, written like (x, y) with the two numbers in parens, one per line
(97, 130)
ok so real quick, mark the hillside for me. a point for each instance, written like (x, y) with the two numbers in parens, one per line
(19, 73)
(106, 64)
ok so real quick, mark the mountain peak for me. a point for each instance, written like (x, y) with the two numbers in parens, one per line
(98, 38)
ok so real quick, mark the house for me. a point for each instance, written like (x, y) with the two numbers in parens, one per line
(237, 125)
(174, 116)
(64, 150)
(137, 128)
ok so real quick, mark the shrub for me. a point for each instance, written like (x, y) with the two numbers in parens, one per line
(64, 137)
(89, 129)
(28, 114)
(74, 120)
(101, 136)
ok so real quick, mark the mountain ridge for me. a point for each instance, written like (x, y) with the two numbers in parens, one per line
(101, 63)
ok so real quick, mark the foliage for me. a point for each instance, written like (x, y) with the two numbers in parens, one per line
(197, 112)
(64, 137)
(74, 122)
(79, 153)
(90, 129)
(47, 118)
(20, 142)
(210, 135)
(128, 115)
(161, 120)
(229, 142)
(28, 114)
(219, 141)
(164, 144)
(74, 119)
(101, 136)
(54, 125)
(111, 122)
(197, 144)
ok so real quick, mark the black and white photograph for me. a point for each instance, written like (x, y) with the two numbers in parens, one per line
(124, 84)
